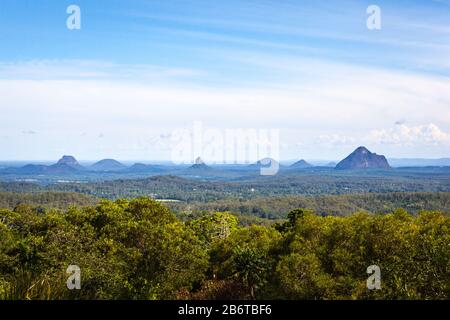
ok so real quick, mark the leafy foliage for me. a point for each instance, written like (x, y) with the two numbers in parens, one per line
(247, 184)
(340, 205)
(138, 249)
(59, 200)
(126, 250)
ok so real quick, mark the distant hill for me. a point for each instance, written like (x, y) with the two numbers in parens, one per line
(144, 168)
(302, 164)
(199, 165)
(266, 166)
(28, 169)
(263, 163)
(69, 161)
(65, 165)
(139, 167)
(362, 158)
(107, 165)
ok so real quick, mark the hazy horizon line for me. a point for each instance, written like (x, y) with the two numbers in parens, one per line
(155, 161)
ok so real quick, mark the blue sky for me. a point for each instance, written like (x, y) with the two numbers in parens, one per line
(139, 69)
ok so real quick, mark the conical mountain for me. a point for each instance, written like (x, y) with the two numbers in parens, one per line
(65, 165)
(68, 160)
(107, 165)
(362, 158)
(302, 164)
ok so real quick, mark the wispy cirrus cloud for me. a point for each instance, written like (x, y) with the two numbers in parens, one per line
(76, 69)
(347, 107)
(310, 68)
(411, 36)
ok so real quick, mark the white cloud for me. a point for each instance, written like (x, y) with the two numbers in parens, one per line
(400, 135)
(317, 102)
(419, 135)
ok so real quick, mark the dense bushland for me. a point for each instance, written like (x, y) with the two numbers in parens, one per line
(138, 249)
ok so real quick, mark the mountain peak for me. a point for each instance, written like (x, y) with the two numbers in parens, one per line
(362, 158)
(264, 162)
(362, 149)
(68, 160)
(199, 161)
(107, 165)
(199, 164)
(301, 164)
(65, 165)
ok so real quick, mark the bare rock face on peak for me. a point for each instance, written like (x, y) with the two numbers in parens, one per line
(199, 161)
(65, 165)
(69, 161)
(362, 158)
(199, 165)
